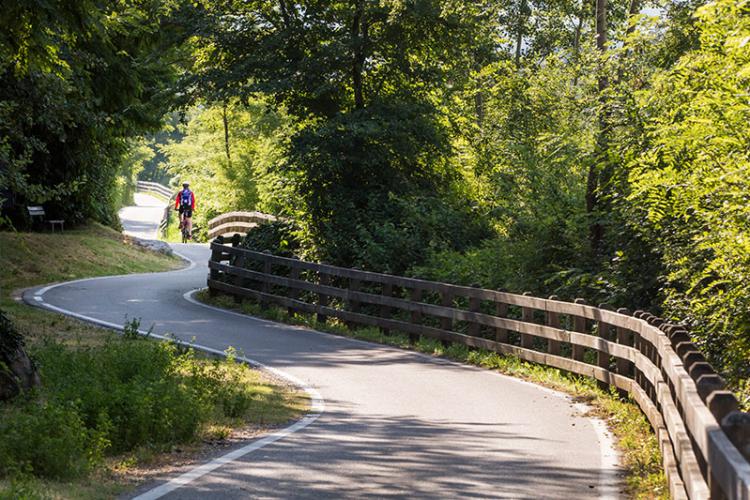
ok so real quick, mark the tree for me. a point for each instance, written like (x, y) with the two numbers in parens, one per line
(17, 371)
(364, 82)
(76, 83)
(689, 185)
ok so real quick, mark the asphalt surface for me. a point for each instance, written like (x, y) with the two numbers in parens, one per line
(395, 423)
(142, 220)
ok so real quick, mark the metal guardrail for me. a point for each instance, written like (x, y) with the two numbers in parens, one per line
(704, 438)
(236, 223)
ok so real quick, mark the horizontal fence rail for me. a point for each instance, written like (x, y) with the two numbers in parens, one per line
(163, 191)
(236, 223)
(704, 438)
(155, 187)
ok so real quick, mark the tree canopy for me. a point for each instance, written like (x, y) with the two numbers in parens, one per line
(585, 149)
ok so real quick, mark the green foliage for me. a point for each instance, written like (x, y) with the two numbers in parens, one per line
(690, 185)
(114, 398)
(77, 81)
(278, 238)
(527, 157)
(47, 439)
(376, 189)
(132, 392)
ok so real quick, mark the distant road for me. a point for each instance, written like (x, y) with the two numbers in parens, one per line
(395, 424)
(142, 220)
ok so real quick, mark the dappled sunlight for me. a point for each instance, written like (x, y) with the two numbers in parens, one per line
(379, 455)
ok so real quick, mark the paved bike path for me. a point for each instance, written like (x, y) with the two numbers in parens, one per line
(396, 423)
(142, 219)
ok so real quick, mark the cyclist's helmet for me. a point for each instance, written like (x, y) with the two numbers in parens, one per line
(185, 184)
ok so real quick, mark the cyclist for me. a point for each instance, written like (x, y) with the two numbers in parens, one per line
(185, 204)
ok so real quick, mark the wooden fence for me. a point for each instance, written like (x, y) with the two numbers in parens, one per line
(156, 188)
(704, 438)
(164, 192)
(236, 223)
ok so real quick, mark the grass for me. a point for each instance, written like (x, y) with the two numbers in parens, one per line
(638, 446)
(91, 418)
(173, 233)
(31, 259)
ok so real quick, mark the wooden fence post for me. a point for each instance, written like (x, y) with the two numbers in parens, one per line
(579, 325)
(475, 329)
(213, 274)
(293, 292)
(602, 358)
(501, 311)
(416, 316)
(322, 298)
(266, 287)
(553, 320)
(446, 300)
(624, 337)
(385, 311)
(352, 305)
(527, 316)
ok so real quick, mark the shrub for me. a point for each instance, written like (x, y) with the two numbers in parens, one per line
(114, 398)
(279, 238)
(132, 391)
(47, 439)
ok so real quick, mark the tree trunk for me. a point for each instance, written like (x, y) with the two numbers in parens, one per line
(17, 371)
(634, 10)
(597, 177)
(226, 134)
(359, 38)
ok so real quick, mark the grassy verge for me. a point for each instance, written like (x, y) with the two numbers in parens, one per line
(113, 410)
(639, 448)
(29, 259)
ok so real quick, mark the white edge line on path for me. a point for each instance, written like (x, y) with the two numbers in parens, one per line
(609, 459)
(317, 404)
(609, 480)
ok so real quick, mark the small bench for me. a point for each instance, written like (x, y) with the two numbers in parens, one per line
(38, 211)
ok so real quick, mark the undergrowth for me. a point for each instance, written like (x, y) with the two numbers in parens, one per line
(122, 395)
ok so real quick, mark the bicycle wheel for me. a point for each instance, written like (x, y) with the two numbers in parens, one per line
(184, 235)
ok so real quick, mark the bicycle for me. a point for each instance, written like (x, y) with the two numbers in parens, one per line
(186, 233)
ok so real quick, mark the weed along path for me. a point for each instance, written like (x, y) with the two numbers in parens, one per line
(394, 423)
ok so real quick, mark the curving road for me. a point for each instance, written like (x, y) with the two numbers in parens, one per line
(395, 423)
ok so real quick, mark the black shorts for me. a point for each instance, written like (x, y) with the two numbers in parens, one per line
(187, 211)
